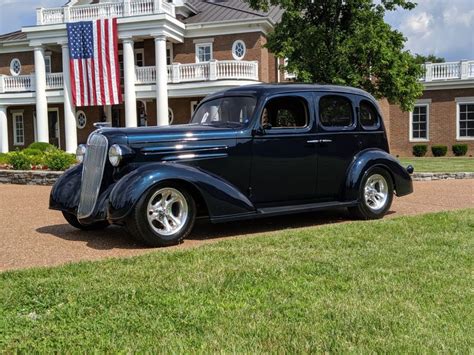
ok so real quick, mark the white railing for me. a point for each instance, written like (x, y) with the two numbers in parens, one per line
(461, 70)
(54, 81)
(16, 83)
(121, 8)
(214, 70)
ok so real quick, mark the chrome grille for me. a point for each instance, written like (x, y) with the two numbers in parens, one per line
(92, 172)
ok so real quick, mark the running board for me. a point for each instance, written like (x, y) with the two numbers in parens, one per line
(283, 210)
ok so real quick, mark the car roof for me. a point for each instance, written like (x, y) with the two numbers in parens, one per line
(265, 89)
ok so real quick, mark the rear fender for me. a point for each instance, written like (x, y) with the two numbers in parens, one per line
(376, 158)
(220, 197)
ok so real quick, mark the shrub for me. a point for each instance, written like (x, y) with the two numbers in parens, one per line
(19, 160)
(32, 151)
(420, 150)
(59, 160)
(42, 146)
(439, 150)
(3, 158)
(459, 149)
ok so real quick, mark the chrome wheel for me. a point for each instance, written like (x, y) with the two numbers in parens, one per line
(167, 211)
(376, 192)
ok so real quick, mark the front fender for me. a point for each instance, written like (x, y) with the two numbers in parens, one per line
(66, 191)
(376, 158)
(221, 197)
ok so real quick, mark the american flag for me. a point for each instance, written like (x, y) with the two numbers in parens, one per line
(93, 62)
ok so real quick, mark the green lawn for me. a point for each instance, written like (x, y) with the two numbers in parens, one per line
(400, 285)
(441, 164)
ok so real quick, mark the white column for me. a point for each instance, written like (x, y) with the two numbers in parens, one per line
(108, 114)
(3, 130)
(129, 83)
(41, 103)
(69, 109)
(161, 81)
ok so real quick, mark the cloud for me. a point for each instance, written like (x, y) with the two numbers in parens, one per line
(441, 27)
(14, 14)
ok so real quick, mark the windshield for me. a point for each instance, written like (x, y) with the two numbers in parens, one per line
(226, 111)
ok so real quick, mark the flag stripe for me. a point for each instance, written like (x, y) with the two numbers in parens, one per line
(116, 61)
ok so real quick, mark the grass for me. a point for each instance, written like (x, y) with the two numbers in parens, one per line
(440, 164)
(399, 285)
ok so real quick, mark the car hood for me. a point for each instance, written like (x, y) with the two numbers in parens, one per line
(185, 132)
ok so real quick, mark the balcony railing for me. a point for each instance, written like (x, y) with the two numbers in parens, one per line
(214, 70)
(461, 70)
(22, 83)
(177, 73)
(122, 8)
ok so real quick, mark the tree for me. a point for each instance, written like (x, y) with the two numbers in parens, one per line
(431, 58)
(346, 42)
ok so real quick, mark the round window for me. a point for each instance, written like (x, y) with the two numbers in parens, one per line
(170, 116)
(81, 119)
(15, 67)
(238, 50)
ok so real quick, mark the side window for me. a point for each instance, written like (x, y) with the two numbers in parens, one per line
(286, 112)
(368, 116)
(335, 111)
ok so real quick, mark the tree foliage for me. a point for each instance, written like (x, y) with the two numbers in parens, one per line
(346, 42)
(431, 58)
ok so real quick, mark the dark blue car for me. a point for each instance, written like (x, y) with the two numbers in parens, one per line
(249, 152)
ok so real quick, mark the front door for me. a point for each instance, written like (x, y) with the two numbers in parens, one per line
(284, 160)
(53, 128)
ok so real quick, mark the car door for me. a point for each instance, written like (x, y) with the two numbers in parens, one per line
(283, 167)
(337, 142)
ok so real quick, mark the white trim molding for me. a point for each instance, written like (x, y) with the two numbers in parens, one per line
(462, 101)
(420, 103)
(15, 115)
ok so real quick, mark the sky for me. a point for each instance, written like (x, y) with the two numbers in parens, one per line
(441, 27)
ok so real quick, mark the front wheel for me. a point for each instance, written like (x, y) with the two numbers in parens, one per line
(375, 195)
(73, 221)
(164, 216)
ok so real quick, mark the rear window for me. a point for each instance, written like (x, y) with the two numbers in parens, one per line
(335, 111)
(368, 116)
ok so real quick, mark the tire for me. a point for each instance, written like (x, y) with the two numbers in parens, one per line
(157, 221)
(378, 184)
(73, 221)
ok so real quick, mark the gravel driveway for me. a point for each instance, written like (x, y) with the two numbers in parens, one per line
(31, 235)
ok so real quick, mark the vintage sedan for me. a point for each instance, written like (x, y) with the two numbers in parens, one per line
(249, 152)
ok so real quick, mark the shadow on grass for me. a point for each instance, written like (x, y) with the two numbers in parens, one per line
(115, 237)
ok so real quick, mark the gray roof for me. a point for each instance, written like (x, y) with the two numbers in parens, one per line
(228, 10)
(12, 36)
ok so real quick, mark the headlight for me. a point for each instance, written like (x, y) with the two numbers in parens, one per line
(80, 152)
(115, 155)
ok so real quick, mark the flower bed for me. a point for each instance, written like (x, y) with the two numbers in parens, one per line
(38, 156)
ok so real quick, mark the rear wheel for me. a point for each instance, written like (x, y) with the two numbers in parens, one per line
(164, 216)
(375, 195)
(73, 221)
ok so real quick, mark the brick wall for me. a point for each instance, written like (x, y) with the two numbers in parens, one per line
(26, 59)
(442, 122)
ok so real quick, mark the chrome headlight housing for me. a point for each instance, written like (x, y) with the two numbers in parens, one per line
(81, 152)
(115, 155)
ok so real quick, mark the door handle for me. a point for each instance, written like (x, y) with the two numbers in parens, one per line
(320, 141)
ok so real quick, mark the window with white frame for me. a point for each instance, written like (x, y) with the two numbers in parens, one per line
(47, 63)
(238, 50)
(419, 123)
(465, 113)
(18, 128)
(140, 57)
(203, 52)
(169, 53)
(15, 67)
(194, 105)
